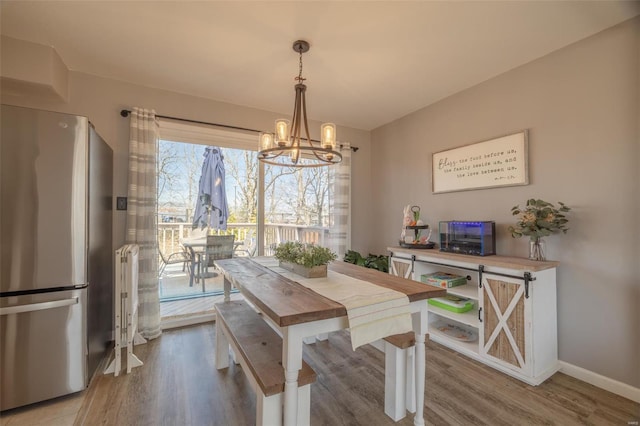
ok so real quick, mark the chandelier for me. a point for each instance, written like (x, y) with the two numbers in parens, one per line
(286, 147)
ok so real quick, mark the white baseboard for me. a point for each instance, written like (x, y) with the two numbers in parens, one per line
(600, 381)
(187, 320)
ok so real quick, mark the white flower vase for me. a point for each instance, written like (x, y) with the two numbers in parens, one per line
(537, 249)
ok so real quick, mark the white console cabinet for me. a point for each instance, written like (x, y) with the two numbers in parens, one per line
(513, 325)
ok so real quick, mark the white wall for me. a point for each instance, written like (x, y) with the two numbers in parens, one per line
(101, 100)
(580, 105)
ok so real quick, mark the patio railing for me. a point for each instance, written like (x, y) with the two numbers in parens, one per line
(170, 234)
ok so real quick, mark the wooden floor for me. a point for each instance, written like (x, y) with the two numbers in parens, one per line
(179, 385)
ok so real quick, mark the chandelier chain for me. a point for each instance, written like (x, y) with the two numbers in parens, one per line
(300, 79)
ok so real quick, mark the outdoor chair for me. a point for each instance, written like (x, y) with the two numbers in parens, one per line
(174, 258)
(218, 247)
(248, 246)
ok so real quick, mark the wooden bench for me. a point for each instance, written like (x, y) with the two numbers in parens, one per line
(258, 349)
(399, 375)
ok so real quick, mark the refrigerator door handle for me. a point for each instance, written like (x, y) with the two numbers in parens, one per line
(38, 306)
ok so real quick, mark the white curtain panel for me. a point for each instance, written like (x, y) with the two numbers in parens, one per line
(142, 216)
(340, 231)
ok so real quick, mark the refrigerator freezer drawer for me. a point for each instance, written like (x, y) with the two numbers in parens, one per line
(42, 346)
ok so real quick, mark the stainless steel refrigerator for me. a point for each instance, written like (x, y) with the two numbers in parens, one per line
(56, 279)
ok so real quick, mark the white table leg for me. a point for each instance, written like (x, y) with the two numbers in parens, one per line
(292, 363)
(420, 377)
(420, 329)
(410, 381)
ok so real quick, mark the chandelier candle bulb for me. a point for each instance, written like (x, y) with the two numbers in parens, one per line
(266, 141)
(329, 135)
(282, 132)
(295, 153)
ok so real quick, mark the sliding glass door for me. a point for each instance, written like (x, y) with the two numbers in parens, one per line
(266, 204)
(180, 169)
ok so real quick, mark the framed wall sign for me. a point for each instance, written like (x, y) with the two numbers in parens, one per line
(497, 162)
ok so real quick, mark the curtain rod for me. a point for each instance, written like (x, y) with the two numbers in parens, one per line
(126, 112)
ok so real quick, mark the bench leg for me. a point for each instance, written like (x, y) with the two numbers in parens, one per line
(395, 370)
(410, 388)
(268, 410)
(304, 406)
(227, 289)
(233, 356)
(312, 339)
(222, 347)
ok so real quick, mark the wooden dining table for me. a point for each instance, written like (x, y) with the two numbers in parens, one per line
(299, 312)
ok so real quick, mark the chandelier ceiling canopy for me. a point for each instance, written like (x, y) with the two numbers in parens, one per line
(287, 147)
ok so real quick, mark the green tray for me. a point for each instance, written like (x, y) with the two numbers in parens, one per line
(450, 303)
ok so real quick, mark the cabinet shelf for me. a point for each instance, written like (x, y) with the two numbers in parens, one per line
(467, 318)
(462, 347)
(469, 291)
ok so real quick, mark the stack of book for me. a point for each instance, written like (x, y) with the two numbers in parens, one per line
(443, 279)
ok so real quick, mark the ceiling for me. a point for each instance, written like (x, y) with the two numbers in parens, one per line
(369, 64)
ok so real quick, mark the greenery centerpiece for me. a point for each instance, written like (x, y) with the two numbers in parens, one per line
(537, 220)
(373, 261)
(308, 260)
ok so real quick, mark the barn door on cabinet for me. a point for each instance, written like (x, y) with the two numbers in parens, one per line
(505, 334)
(401, 267)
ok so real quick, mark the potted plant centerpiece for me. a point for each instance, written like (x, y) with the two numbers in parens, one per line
(307, 260)
(537, 220)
